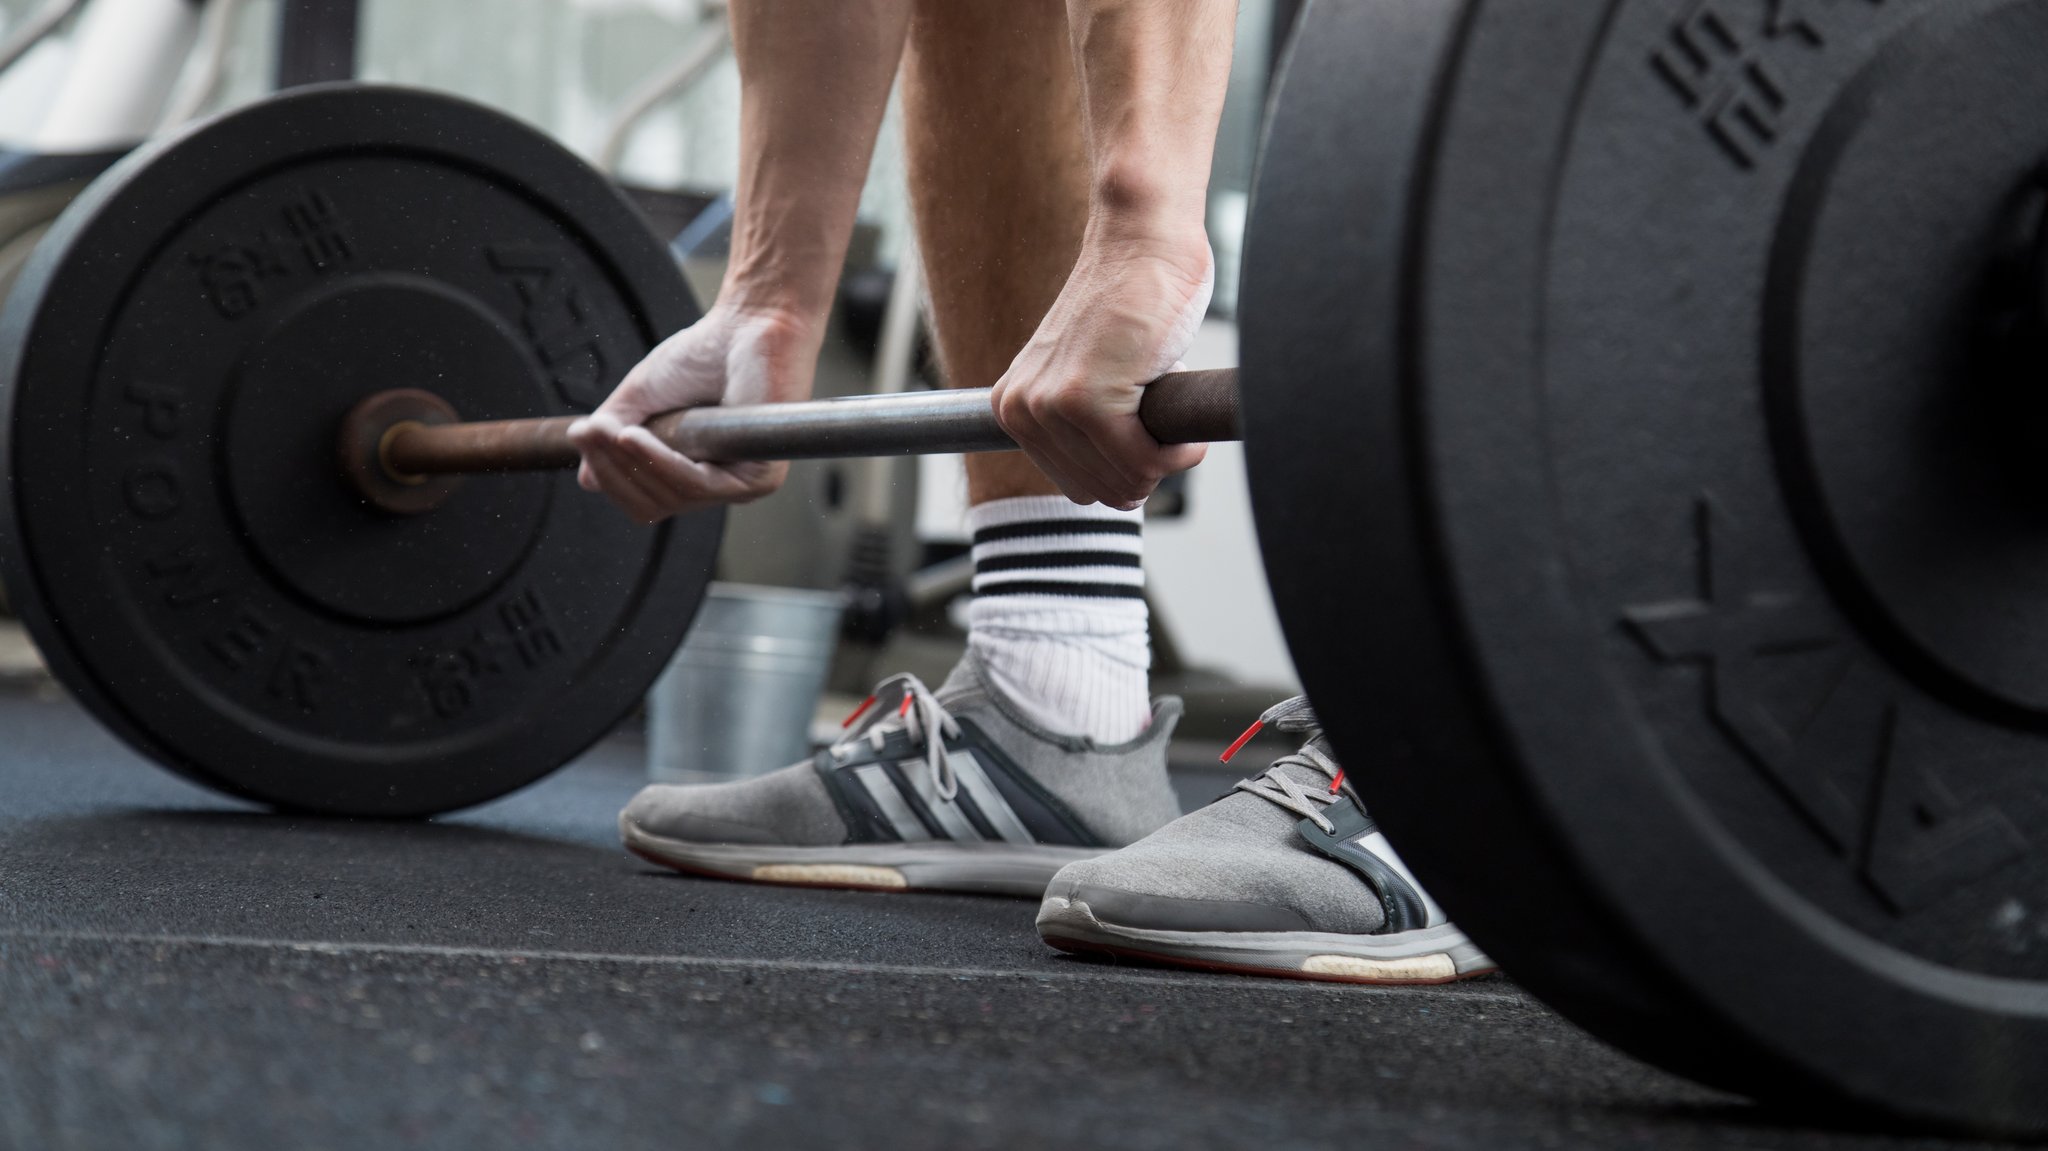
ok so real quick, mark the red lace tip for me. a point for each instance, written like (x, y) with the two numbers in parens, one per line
(858, 712)
(908, 699)
(1337, 782)
(1246, 738)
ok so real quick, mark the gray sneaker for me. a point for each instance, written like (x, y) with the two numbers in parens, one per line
(1286, 875)
(994, 803)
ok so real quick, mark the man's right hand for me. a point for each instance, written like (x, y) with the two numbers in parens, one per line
(734, 356)
(800, 178)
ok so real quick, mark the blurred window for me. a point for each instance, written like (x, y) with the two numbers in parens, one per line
(570, 65)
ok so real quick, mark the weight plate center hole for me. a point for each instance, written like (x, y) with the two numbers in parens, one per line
(312, 394)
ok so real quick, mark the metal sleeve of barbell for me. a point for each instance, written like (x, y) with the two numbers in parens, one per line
(1180, 408)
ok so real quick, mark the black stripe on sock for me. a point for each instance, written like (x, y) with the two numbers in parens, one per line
(1059, 528)
(1056, 587)
(1058, 560)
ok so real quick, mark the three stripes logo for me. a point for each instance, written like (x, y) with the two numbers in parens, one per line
(907, 796)
(891, 796)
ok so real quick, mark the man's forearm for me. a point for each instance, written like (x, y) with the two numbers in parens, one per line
(1153, 77)
(814, 83)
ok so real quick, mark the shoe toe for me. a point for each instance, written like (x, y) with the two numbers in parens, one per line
(667, 812)
(1205, 875)
(1160, 884)
(1145, 911)
(787, 807)
(649, 810)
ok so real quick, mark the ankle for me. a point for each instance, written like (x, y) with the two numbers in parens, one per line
(1059, 622)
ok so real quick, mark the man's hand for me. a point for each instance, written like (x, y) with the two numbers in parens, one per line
(800, 178)
(1153, 75)
(730, 356)
(1070, 399)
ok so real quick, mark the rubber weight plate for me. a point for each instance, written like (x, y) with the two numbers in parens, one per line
(181, 351)
(1667, 570)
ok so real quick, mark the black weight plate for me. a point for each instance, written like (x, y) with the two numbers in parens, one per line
(1630, 458)
(181, 351)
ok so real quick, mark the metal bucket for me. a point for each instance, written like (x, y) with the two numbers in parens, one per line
(738, 698)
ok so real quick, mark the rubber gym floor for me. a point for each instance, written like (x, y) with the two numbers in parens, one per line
(178, 970)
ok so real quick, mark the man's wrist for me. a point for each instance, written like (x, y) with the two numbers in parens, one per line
(798, 302)
(1134, 205)
(1140, 185)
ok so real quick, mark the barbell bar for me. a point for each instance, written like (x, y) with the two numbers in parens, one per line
(1177, 408)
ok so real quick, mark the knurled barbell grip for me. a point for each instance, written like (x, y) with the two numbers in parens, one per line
(1178, 408)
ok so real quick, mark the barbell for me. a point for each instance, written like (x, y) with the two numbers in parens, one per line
(401, 447)
(1640, 401)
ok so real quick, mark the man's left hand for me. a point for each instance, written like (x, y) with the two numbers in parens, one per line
(1127, 315)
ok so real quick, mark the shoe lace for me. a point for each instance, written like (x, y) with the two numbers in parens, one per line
(918, 713)
(1294, 715)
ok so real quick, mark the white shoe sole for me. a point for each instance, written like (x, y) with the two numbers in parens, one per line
(985, 868)
(1439, 954)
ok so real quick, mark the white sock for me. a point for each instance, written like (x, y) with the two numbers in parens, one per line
(1058, 618)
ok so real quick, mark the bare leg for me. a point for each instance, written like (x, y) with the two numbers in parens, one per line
(999, 182)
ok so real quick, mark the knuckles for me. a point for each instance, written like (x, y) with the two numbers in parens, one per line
(1068, 401)
(1013, 411)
